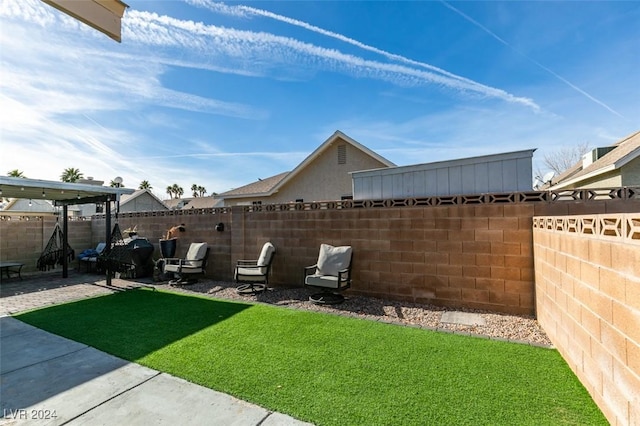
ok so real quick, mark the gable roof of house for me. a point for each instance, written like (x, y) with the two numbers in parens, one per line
(127, 198)
(624, 151)
(22, 205)
(269, 186)
(261, 186)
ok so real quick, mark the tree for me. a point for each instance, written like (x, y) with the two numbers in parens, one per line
(71, 175)
(177, 190)
(564, 158)
(15, 173)
(198, 191)
(114, 184)
(145, 185)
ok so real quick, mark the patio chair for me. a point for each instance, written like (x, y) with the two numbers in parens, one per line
(194, 263)
(90, 257)
(331, 274)
(254, 273)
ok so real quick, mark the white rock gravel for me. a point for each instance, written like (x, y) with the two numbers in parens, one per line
(517, 328)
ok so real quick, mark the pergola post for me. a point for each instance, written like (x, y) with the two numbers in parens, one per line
(65, 241)
(107, 210)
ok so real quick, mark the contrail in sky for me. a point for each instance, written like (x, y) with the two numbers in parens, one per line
(559, 77)
(242, 11)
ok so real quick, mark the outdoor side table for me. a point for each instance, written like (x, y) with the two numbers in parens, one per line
(11, 267)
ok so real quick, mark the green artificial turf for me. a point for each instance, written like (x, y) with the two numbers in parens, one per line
(329, 369)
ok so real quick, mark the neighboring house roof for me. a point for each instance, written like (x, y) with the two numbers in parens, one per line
(625, 150)
(269, 186)
(22, 205)
(128, 198)
(261, 186)
(193, 203)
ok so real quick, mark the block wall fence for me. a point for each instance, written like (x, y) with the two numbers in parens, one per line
(460, 251)
(588, 301)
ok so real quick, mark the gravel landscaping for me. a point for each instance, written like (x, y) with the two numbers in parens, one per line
(522, 329)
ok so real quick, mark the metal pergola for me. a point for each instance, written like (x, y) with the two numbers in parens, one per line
(65, 194)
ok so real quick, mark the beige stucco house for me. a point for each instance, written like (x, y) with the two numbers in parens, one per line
(607, 167)
(323, 176)
(142, 200)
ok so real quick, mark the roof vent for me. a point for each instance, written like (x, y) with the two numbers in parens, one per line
(342, 154)
(595, 154)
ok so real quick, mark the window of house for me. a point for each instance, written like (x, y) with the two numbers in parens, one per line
(299, 200)
(256, 203)
(347, 197)
(342, 154)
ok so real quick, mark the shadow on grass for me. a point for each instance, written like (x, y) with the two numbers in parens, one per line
(142, 321)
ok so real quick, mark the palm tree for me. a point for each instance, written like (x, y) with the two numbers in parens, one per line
(71, 175)
(177, 190)
(114, 184)
(202, 191)
(194, 188)
(145, 185)
(15, 173)
(170, 191)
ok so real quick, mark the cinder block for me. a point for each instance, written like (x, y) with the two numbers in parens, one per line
(505, 273)
(474, 295)
(461, 235)
(489, 235)
(491, 284)
(628, 383)
(627, 320)
(626, 258)
(475, 223)
(612, 284)
(449, 246)
(505, 248)
(450, 270)
(518, 236)
(476, 271)
(476, 247)
(591, 374)
(489, 259)
(504, 223)
(614, 341)
(521, 287)
(518, 261)
(506, 299)
(633, 357)
(462, 259)
(449, 293)
(462, 282)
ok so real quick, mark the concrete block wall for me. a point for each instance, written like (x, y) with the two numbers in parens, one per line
(199, 227)
(23, 238)
(470, 255)
(587, 273)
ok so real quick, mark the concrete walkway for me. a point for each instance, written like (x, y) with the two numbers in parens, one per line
(49, 380)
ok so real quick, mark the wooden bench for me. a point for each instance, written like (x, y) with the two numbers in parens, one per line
(11, 267)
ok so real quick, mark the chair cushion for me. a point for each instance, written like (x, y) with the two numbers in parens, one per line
(332, 259)
(185, 269)
(328, 281)
(250, 274)
(196, 251)
(266, 254)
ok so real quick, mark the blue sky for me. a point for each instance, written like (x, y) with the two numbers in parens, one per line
(221, 94)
